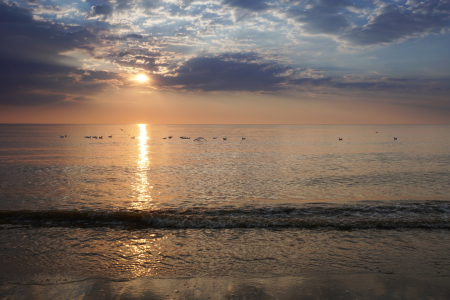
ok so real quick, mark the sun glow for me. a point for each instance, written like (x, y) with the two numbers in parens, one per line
(141, 78)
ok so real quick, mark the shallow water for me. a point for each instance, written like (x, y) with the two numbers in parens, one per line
(287, 200)
(57, 255)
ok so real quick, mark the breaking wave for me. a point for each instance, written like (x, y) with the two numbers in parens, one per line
(432, 215)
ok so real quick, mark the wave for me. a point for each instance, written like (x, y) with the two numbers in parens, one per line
(435, 215)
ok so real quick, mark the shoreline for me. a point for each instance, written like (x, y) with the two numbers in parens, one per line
(356, 286)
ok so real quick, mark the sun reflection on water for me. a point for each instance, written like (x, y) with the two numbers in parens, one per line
(141, 256)
(143, 187)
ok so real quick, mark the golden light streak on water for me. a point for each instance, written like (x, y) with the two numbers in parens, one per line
(143, 188)
(142, 256)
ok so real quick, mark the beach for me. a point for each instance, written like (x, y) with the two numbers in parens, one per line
(291, 212)
(227, 264)
(361, 286)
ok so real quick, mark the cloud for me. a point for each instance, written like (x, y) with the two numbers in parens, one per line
(102, 11)
(140, 62)
(228, 72)
(249, 72)
(95, 76)
(253, 5)
(321, 17)
(245, 9)
(124, 4)
(34, 83)
(391, 23)
(149, 6)
(32, 69)
(23, 36)
(197, 46)
(386, 23)
(124, 37)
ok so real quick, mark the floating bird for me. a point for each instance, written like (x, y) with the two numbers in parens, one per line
(224, 138)
(243, 138)
(164, 138)
(132, 137)
(100, 137)
(61, 136)
(340, 139)
(87, 137)
(395, 138)
(110, 136)
(214, 138)
(94, 137)
(200, 139)
(170, 137)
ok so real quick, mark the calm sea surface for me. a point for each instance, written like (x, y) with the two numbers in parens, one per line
(286, 200)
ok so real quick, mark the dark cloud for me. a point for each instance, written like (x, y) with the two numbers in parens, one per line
(124, 4)
(241, 57)
(393, 23)
(133, 36)
(300, 82)
(34, 83)
(409, 86)
(366, 85)
(253, 5)
(322, 17)
(14, 14)
(32, 70)
(427, 7)
(124, 37)
(315, 22)
(22, 36)
(249, 72)
(246, 9)
(388, 23)
(239, 72)
(29, 99)
(149, 6)
(91, 76)
(102, 11)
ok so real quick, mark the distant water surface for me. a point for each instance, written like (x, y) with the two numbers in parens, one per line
(143, 204)
(274, 165)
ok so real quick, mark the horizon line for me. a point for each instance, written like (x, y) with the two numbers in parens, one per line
(256, 124)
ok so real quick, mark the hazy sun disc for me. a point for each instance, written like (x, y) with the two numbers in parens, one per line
(141, 78)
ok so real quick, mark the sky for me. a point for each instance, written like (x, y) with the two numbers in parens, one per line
(225, 61)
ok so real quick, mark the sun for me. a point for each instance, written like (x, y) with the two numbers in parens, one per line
(141, 78)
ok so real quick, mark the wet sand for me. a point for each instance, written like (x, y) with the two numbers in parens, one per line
(358, 286)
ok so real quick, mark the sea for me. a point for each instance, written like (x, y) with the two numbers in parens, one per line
(246, 201)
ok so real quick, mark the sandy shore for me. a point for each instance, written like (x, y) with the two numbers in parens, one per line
(360, 286)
